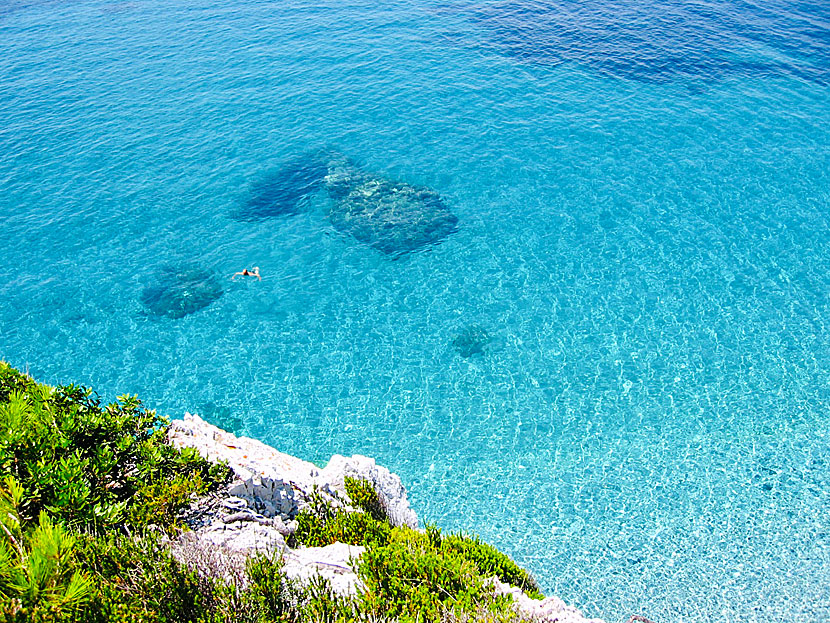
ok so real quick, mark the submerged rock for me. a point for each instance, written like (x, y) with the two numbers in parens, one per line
(393, 217)
(473, 340)
(280, 192)
(179, 291)
(222, 417)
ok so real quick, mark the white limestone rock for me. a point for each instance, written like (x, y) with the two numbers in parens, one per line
(256, 514)
(388, 486)
(263, 476)
(548, 610)
(246, 538)
(333, 562)
(275, 484)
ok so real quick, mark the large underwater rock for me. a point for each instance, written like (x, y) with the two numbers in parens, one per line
(393, 217)
(179, 291)
(280, 192)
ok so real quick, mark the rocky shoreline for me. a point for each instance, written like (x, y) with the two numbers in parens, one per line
(257, 513)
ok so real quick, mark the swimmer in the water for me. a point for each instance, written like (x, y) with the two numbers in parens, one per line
(254, 272)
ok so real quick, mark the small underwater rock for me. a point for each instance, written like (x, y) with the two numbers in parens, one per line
(393, 217)
(222, 417)
(179, 291)
(472, 340)
(279, 192)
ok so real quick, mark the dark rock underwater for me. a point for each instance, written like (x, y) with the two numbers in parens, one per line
(393, 217)
(180, 291)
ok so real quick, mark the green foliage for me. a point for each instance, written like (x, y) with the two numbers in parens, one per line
(159, 502)
(344, 527)
(491, 562)
(38, 582)
(321, 524)
(418, 576)
(410, 579)
(275, 595)
(363, 495)
(321, 603)
(84, 484)
(278, 599)
(85, 463)
(136, 579)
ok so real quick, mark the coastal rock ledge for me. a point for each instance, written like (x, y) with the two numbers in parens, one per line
(256, 512)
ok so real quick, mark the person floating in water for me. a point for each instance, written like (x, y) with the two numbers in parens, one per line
(254, 272)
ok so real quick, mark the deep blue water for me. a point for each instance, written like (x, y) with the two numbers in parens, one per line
(571, 282)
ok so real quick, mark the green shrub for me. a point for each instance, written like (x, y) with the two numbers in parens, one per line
(421, 576)
(321, 524)
(84, 483)
(352, 528)
(83, 462)
(160, 502)
(275, 595)
(491, 562)
(363, 495)
(321, 604)
(38, 581)
(411, 580)
(136, 579)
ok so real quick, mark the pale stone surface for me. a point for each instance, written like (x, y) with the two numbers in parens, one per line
(274, 484)
(388, 486)
(548, 610)
(333, 562)
(263, 476)
(243, 537)
(256, 512)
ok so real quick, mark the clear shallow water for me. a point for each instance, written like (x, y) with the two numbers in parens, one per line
(642, 233)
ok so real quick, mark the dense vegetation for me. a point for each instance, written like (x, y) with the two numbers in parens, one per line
(90, 495)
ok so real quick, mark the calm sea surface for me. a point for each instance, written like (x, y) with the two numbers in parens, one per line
(615, 366)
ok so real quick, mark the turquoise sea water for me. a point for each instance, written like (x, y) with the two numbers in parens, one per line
(616, 368)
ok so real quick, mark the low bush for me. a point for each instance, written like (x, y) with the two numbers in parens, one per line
(275, 595)
(344, 527)
(136, 579)
(491, 562)
(321, 524)
(363, 496)
(38, 580)
(84, 462)
(410, 579)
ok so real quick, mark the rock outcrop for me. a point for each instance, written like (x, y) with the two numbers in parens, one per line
(549, 609)
(256, 513)
(280, 192)
(270, 484)
(393, 217)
